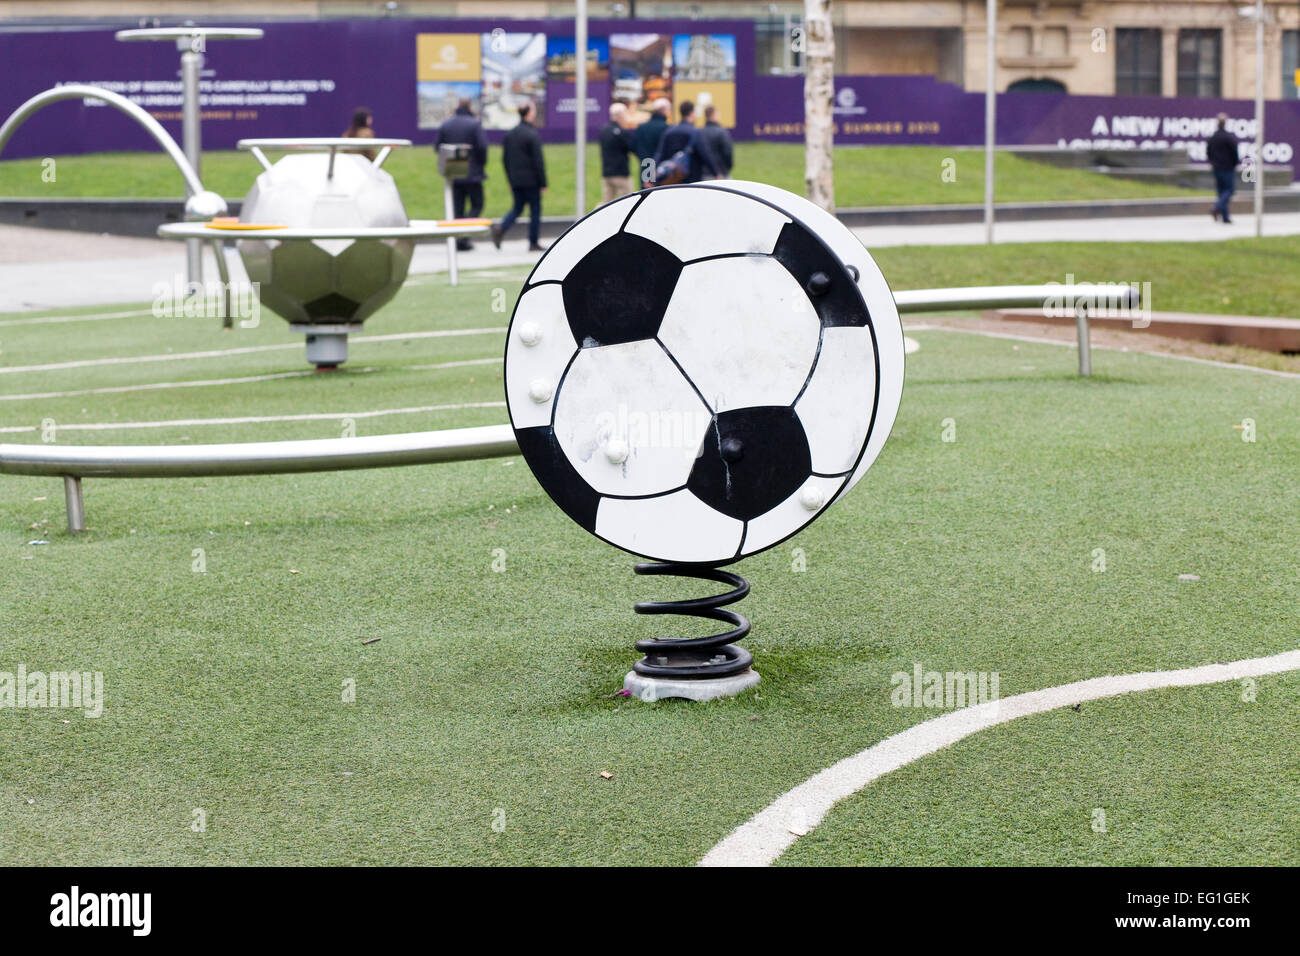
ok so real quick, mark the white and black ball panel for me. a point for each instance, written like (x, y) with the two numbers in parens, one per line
(557, 476)
(693, 224)
(755, 478)
(676, 526)
(582, 237)
(804, 504)
(619, 291)
(742, 330)
(543, 347)
(628, 421)
(751, 459)
(846, 377)
(887, 326)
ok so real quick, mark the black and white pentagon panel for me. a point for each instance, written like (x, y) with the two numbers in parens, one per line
(694, 373)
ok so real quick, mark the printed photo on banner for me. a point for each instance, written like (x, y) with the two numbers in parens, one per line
(642, 65)
(447, 69)
(704, 57)
(561, 59)
(514, 72)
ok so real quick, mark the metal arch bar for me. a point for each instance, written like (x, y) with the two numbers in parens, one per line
(260, 157)
(73, 463)
(416, 229)
(1114, 295)
(258, 458)
(178, 33)
(346, 143)
(77, 91)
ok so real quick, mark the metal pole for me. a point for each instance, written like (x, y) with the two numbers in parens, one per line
(990, 115)
(191, 64)
(76, 507)
(451, 243)
(1085, 343)
(580, 109)
(1259, 117)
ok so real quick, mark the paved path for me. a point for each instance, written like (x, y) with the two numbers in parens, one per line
(43, 269)
(1134, 229)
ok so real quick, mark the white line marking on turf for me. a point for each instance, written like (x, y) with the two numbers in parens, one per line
(219, 353)
(152, 386)
(55, 319)
(1105, 348)
(252, 419)
(487, 361)
(769, 833)
(156, 385)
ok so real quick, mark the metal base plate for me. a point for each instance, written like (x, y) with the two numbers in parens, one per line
(657, 688)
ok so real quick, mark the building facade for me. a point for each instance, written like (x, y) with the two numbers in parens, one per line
(1101, 47)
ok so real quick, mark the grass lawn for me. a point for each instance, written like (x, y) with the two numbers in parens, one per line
(1237, 277)
(489, 697)
(864, 176)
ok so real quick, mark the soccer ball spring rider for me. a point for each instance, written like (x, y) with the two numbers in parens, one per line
(694, 374)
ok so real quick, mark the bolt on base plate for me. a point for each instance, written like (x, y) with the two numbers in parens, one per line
(709, 688)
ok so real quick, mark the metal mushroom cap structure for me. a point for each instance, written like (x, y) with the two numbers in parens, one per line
(323, 236)
(326, 287)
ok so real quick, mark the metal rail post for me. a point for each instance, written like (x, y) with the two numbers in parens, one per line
(1085, 342)
(76, 506)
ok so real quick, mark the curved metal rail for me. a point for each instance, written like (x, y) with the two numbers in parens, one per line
(80, 91)
(182, 33)
(73, 463)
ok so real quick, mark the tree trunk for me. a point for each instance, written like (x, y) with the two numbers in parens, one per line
(818, 96)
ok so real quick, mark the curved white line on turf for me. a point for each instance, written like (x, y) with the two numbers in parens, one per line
(220, 353)
(251, 419)
(770, 832)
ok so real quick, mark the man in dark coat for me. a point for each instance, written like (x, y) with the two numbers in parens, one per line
(615, 144)
(463, 127)
(719, 140)
(652, 130)
(526, 173)
(685, 138)
(1221, 151)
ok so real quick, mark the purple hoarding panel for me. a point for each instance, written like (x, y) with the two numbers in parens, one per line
(301, 79)
(304, 79)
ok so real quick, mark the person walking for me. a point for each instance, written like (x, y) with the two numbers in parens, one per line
(648, 134)
(719, 141)
(684, 154)
(362, 127)
(464, 128)
(521, 153)
(615, 146)
(1221, 151)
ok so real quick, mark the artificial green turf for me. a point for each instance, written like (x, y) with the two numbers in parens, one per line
(1236, 276)
(1199, 775)
(864, 176)
(492, 691)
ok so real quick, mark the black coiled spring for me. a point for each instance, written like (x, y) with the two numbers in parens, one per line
(695, 657)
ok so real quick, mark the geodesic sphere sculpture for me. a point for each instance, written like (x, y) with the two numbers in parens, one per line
(325, 282)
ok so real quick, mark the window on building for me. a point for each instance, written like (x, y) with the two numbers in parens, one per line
(1018, 42)
(1199, 62)
(1137, 62)
(1056, 41)
(1290, 63)
(778, 45)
